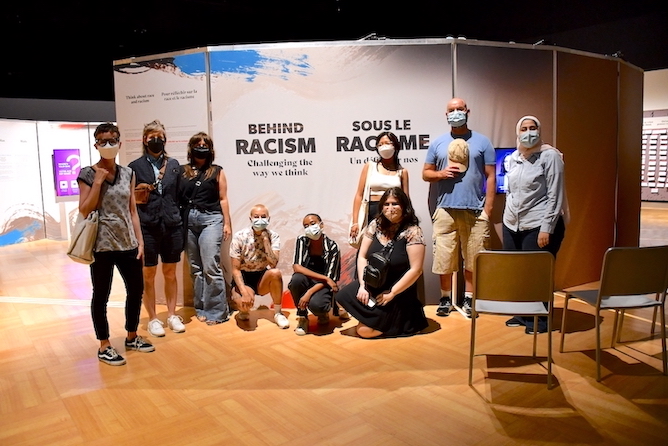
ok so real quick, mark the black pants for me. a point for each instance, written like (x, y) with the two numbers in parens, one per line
(321, 301)
(528, 241)
(102, 273)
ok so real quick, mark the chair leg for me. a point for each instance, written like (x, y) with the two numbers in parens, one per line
(598, 346)
(663, 339)
(653, 329)
(472, 351)
(563, 323)
(549, 346)
(535, 334)
(615, 332)
(621, 325)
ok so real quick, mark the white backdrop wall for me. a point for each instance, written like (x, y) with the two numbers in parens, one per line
(293, 123)
(29, 209)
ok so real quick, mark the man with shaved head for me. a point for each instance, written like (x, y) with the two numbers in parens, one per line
(460, 163)
(254, 255)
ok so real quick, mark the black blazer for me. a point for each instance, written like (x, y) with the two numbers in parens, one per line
(159, 208)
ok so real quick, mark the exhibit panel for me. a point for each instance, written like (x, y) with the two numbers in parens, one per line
(629, 155)
(500, 85)
(587, 113)
(294, 123)
(21, 210)
(170, 88)
(64, 148)
(296, 126)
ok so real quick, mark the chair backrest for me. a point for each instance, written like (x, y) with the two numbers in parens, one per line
(632, 270)
(514, 276)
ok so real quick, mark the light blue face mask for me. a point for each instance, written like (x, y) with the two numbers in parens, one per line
(313, 231)
(529, 138)
(457, 118)
(260, 223)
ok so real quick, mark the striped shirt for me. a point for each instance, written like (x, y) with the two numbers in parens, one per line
(330, 256)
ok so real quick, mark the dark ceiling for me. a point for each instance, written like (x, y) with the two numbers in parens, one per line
(65, 49)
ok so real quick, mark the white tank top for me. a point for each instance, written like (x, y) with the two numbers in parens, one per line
(379, 183)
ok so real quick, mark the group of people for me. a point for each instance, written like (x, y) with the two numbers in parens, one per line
(186, 207)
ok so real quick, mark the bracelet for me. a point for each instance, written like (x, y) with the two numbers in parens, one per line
(354, 224)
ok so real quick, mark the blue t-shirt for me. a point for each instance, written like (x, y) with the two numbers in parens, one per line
(466, 190)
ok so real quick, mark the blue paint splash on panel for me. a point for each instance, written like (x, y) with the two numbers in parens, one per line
(251, 64)
(18, 235)
(191, 64)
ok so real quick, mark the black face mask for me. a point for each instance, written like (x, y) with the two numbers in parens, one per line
(156, 145)
(201, 152)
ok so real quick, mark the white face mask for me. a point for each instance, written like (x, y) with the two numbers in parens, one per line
(108, 151)
(313, 231)
(386, 151)
(260, 223)
(457, 118)
(529, 138)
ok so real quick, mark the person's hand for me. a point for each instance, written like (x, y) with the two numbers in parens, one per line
(332, 285)
(247, 299)
(450, 172)
(227, 231)
(488, 210)
(303, 302)
(384, 298)
(140, 251)
(363, 295)
(100, 175)
(543, 239)
(354, 230)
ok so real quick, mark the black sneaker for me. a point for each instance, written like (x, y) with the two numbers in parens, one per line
(467, 307)
(514, 322)
(110, 356)
(444, 307)
(140, 344)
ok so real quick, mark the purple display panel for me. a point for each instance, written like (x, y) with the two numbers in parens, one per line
(66, 167)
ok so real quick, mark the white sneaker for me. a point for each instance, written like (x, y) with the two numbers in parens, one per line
(155, 328)
(302, 326)
(176, 324)
(281, 320)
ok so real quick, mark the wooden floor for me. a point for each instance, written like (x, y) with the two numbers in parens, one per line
(258, 385)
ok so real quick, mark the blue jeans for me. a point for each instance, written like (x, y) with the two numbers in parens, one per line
(205, 236)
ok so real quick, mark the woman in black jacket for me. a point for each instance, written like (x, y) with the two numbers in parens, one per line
(158, 175)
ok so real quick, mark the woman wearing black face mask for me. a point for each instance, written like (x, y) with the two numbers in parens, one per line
(160, 223)
(203, 195)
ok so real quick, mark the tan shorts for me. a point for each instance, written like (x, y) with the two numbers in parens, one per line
(455, 229)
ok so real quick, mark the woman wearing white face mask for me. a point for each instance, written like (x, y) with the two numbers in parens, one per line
(203, 193)
(535, 211)
(375, 179)
(109, 188)
(317, 267)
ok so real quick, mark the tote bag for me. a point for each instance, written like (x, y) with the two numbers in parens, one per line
(83, 239)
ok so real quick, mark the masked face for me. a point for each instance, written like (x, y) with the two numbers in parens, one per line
(529, 139)
(313, 231)
(109, 151)
(156, 145)
(386, 151)
(260, 223)
(201, 152)
(457, 118)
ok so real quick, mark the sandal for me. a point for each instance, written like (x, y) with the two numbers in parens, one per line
(213, 322)
(201, 318)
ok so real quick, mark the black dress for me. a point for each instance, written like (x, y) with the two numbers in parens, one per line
(404, 314)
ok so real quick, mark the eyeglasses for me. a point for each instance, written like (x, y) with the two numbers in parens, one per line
(102, 142)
